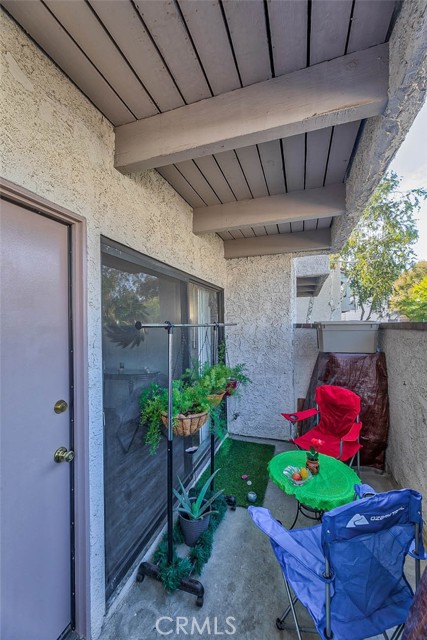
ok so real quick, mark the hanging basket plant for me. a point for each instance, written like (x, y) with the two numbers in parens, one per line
(218, 379)
(195, 397)
(215, 398)
(190, 410)
(232, 386)
(186, 425)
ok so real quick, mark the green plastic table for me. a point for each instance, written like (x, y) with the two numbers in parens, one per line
(332, 487)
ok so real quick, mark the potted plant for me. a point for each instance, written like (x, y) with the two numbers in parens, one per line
(195, 512)
(312, 463)
(214, 379)
(218, 379)
(190, 410)
(237, 376)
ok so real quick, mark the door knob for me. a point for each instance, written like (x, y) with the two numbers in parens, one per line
(60, 406)
(62, 455)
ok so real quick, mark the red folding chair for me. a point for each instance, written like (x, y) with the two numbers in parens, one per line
(338, 426)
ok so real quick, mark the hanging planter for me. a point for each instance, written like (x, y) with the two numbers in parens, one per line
(195, 397)
(232, 386)
(185, 426)
(190, 411)
(218, 379)
(215, 398)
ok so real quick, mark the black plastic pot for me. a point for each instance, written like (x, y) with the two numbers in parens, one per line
(193, 529)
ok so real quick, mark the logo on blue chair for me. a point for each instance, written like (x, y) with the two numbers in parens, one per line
(356, 521)
(359, 520)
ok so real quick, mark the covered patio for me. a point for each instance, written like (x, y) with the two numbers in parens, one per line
(170, 160)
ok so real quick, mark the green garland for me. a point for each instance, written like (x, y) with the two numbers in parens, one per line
(172, 574)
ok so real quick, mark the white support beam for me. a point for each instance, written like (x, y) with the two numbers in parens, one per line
(280, 243)
(345, 89)
(324, 202)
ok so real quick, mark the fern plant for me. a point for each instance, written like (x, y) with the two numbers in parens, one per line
(215, 378)
(186, 400)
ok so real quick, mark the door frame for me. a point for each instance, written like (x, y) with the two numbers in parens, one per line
(22, 197)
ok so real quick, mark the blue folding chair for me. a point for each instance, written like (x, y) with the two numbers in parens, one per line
(348, 571)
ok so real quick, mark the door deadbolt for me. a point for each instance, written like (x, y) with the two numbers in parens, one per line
(63, 455)
(60, 406)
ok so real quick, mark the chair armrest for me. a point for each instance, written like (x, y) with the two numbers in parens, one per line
(300, 415)
(353, 434)
(313, 564)
(364, 491)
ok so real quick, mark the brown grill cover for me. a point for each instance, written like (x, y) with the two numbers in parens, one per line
(366, 375)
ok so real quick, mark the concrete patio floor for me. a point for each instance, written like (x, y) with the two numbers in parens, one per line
(242, 581)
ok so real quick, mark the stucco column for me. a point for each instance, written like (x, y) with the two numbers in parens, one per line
(260, 297)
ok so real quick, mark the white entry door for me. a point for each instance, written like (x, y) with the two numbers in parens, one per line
(35, 572)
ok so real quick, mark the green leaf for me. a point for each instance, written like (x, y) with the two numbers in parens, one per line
(204, 489)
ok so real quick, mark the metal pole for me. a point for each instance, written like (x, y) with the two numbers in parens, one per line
(215, 358)
(327, 574)
(417, 553)
(169, 328)
(164, 325)
(148, 568)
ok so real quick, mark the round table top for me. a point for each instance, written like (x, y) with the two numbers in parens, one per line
(332, 487)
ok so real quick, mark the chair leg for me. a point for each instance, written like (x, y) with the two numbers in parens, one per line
(358, 462)
(398, 632)
(292, 608)
(280, 621)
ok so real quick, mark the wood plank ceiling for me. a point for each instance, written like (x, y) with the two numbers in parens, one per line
(137, 58)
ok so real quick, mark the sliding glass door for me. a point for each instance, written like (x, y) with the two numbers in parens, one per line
(135, 287)
(204, 344)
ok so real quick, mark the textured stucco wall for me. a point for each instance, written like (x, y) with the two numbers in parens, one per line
(406, 355)
(56, 144)
(261, 299)
(311, 265)
(305, 356)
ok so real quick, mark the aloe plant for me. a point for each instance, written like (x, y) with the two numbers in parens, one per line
(195, 509)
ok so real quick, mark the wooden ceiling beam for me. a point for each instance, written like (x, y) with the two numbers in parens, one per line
(342, 90)
(281, 243)
(310, 204)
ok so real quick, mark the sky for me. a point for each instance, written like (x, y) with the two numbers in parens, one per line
(410, 163)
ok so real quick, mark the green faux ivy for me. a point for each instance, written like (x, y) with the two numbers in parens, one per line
(172, 574)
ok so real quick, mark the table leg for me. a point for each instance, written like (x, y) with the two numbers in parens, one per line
(296, 515)
(318, 513)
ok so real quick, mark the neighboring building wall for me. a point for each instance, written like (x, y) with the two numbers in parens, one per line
(261, 299)
(325, 306)
(406, 355)
(56, 144)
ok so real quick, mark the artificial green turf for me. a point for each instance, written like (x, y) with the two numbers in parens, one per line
(236, 458)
